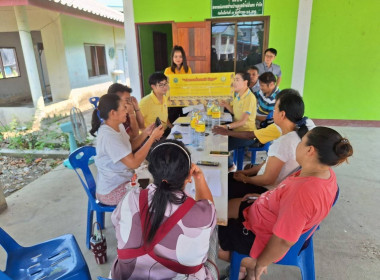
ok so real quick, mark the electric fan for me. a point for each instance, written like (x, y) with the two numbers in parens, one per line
(76, 128)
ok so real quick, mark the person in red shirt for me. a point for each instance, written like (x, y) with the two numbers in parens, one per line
(266, 229)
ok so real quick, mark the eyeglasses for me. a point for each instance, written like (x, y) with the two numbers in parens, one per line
(163, 85)
(269, 56)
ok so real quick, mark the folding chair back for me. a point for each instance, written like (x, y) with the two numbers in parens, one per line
(58, 258)
(79, 159)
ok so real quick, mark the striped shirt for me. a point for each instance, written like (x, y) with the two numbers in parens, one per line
(265, 104)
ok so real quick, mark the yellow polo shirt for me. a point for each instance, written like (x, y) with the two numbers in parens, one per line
(168, 71)
(245, 104)
(267, 134)
(151, 108)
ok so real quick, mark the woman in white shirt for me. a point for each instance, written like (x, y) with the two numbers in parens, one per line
(288, 115)
(115, 158)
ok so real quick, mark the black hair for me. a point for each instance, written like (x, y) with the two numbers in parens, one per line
(253, 67)
(272, 50)
(292, 104)
(332, 148)
(107, 103)
(118, 88)
(169, 166)
(157, 77)
(184, 60)
(267, 78)
(245, 76)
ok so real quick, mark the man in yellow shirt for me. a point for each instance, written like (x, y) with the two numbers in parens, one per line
(155, 104)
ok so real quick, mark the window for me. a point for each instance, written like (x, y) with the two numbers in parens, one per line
(96, 60)
(8, 63)
(243, 41)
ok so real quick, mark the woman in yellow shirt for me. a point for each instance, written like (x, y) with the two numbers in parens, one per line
(179, 62)
(178, 66)
(244, 110)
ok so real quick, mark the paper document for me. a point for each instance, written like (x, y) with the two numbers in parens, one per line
(212, 176)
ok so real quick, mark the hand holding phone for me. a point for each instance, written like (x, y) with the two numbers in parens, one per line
(158, 122)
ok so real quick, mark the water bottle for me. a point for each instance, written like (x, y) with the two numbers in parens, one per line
(215, 114)
(193, 122)
(210, 105)
(133, 184)
(200, 129)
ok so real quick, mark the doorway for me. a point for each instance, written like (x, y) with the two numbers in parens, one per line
(155, 45)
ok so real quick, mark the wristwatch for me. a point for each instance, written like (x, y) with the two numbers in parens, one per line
(228, 127)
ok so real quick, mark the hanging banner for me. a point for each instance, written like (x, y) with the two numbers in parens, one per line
(236, 8)
(195, 89)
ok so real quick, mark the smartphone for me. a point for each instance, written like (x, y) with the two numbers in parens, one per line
(207, 163)
(219, 153)
(158, 122)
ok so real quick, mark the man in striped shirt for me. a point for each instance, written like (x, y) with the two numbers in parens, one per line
(266, 97)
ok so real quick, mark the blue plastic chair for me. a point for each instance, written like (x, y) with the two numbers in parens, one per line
(79, 159)
(58, 258)
(239, 154)
(94, 101)
(304, 258)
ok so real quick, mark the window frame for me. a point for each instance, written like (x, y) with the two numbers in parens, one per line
(2, 68)
(265, 19)
(97, 71)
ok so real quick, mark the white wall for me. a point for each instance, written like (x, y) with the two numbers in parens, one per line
(77, 32)
(56, 60)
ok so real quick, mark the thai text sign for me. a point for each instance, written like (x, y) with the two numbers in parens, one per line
(236, 8)
(194, 89)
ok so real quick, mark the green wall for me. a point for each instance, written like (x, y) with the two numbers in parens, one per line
(343, 54)
(282, 34)
(283, 22)
(146, 49)
(343, 60)
(171, 10)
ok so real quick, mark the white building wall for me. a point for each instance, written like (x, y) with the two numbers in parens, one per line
(56, 61)
(77, 32)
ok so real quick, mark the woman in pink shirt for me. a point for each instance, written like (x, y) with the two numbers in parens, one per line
(266, 229)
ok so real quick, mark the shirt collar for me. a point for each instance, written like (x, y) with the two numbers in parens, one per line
(155, 99)
(244, 94)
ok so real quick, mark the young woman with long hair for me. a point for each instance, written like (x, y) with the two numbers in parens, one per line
(161, 232)
(289, 117)
(179, 62)
(115, 159)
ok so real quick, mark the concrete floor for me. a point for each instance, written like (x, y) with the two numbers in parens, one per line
(346, 247)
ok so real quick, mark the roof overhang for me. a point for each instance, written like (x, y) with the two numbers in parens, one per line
(85, 9)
